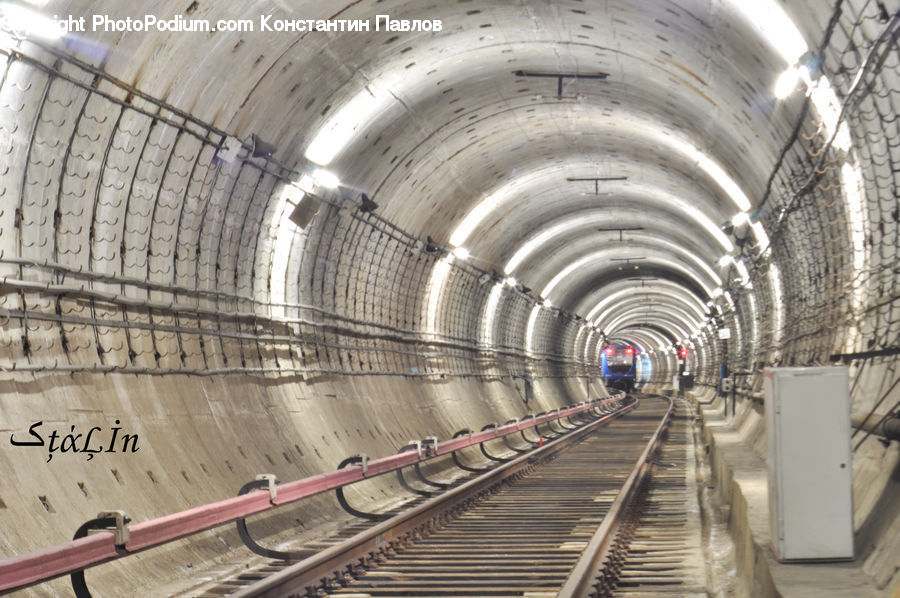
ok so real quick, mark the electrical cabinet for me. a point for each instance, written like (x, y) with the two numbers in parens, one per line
(809, 463)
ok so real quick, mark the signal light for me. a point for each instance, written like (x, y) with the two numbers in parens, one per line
(683, 353)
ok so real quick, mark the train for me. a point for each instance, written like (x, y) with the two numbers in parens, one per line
(620, 364)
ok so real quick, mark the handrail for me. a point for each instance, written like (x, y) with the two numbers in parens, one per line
(62, 559)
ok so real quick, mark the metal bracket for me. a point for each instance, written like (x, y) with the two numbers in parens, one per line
(434, 441)
(270, 477)
(418, 444)
(121, 522)
(114, 521)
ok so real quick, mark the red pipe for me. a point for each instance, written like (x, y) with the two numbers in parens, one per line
(45, 564)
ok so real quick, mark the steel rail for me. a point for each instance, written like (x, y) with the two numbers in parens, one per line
(369, 545)
(100, 547)
(580, 582)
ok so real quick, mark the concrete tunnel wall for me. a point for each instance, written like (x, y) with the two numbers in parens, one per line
(148, 279)
(201, 439)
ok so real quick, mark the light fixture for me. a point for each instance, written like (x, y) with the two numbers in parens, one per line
(762, 239)
(307, 184)
(373, 99)
(740, 218)
(461, 252)
(742, 270)
(725, 260)
(786, 83)
(326, 178)
(775, 26)
(510, 281)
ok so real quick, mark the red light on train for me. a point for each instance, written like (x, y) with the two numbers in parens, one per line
(683, 353)
(609, 350)
(629, 350)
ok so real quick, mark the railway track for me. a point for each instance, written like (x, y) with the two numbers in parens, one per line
(660, 546)
(530, 528)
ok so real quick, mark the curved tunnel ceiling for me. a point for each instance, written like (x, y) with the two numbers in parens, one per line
(518, 145)
(473, 135)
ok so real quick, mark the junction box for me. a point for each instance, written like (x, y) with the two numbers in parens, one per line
(809, 463)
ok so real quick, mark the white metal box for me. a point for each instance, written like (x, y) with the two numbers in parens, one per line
(809, 462)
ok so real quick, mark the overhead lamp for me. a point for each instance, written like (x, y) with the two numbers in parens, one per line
(725, 260)
(775, 26)
(742, 270)
(307, 184)
(787, 82)
(326, 178)
(510, 281)
(740, 218)
(371, 99)
(461, 252)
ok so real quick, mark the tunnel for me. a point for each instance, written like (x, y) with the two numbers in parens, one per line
(259, 238)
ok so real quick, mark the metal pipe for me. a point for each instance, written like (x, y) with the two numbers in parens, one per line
(884, 426)
(173, 308)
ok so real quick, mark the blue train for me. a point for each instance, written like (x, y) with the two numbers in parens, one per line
(619, 364)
